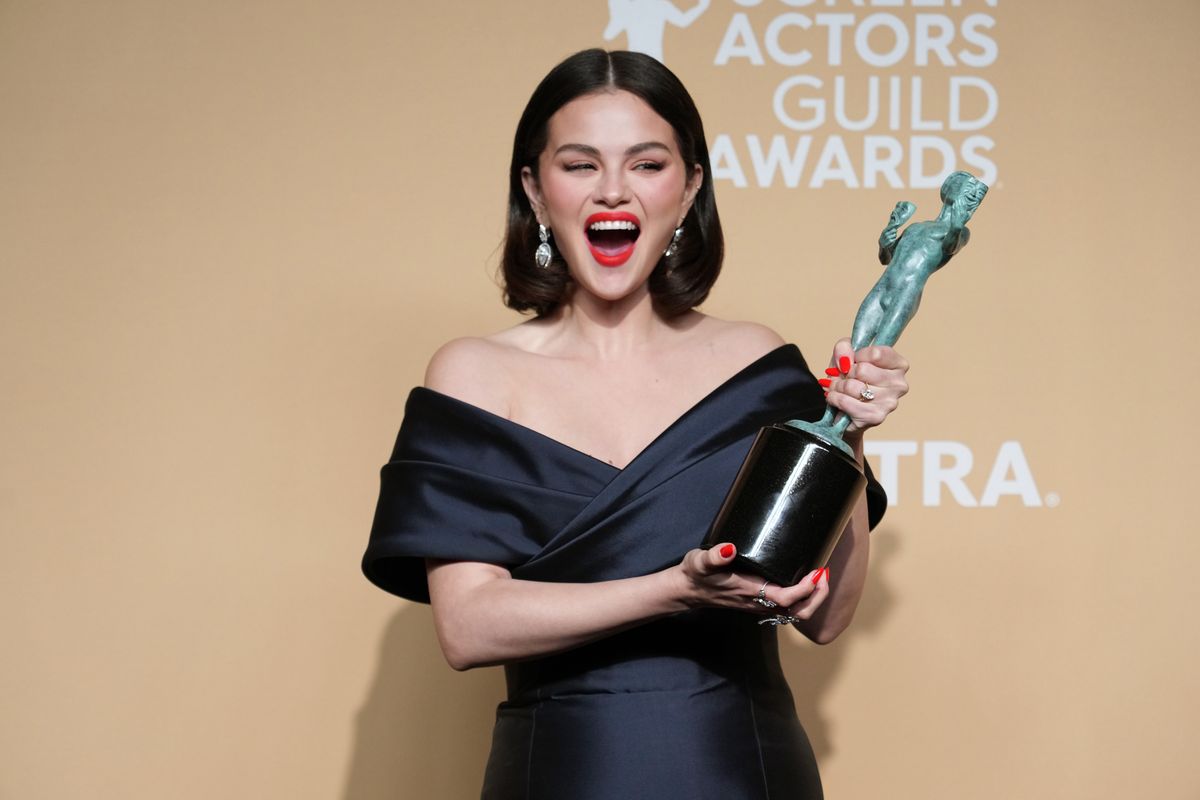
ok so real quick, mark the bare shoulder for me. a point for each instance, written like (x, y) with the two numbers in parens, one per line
(752, 338)
(738, 343)
(474, 370)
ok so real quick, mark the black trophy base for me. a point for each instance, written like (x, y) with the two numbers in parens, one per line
(789, 504)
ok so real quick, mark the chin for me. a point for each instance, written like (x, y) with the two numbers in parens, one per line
(616, 283)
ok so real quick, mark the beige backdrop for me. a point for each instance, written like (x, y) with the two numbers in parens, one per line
(231, 234)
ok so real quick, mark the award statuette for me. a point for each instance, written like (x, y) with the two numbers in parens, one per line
(800, 482)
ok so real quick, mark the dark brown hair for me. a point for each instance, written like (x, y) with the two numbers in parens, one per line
(679, 282)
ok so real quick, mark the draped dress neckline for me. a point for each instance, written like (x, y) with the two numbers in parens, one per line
(652, 444)
(465, 484)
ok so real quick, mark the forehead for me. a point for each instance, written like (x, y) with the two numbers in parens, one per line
(608, 120)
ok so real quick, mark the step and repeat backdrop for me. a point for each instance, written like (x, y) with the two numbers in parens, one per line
(232, 234)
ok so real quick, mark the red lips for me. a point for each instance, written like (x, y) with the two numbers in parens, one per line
(612, 247)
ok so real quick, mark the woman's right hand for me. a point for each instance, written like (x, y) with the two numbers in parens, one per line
(708, 580)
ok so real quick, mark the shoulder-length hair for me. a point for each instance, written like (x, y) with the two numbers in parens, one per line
(680, 281)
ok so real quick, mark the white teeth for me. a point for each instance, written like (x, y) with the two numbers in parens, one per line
(613, 225)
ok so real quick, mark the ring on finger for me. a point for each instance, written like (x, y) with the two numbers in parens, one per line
(762, 600)
(866, 394)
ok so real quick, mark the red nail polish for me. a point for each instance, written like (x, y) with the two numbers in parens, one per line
(832, 372)
(727, 551)
(825, 382)
(844, 363)
(817, 576)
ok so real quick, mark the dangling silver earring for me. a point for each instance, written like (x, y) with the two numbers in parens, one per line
(674, 245)
(543, 254)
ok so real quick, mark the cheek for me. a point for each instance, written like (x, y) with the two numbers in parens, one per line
(666, 198)
(561, 194)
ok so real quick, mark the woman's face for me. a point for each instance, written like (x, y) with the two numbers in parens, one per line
(612, 187)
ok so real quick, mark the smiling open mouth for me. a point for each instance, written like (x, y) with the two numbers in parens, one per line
(612, 237)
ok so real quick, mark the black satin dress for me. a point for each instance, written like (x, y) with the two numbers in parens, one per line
(692, 706)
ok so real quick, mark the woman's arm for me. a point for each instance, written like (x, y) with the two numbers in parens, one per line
(485, 616)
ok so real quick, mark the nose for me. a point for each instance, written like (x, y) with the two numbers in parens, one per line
(612, 189)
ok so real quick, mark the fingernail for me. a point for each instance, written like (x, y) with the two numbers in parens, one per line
(726, 551)
(825, 382)
(844, 363)
(832, 372)
(826, 574)
(817, 576)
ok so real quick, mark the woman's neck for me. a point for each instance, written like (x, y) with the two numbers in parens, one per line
(591, 327)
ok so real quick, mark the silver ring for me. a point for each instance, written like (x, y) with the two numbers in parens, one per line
(762, 597)
(866, 394)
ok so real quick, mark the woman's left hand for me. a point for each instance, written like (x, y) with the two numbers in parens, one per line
(865, 386)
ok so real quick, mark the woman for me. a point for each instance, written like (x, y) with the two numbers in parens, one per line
(551, 482)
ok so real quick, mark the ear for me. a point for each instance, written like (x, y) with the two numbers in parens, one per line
(690, 190)
(533, 192)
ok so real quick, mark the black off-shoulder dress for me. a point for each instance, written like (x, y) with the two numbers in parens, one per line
(692, 706)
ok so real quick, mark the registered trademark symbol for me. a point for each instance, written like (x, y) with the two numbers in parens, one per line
(1052, 500)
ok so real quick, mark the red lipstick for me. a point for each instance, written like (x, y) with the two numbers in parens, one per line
(612, 236)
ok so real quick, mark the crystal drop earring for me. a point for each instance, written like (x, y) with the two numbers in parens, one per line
(674, 245)
(543, 254)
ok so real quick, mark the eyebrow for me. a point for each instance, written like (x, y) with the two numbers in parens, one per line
(633, 150)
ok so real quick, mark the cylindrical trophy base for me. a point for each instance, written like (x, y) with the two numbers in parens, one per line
(788, 505)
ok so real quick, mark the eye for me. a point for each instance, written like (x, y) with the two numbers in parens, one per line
(578, 166)
(648, 166)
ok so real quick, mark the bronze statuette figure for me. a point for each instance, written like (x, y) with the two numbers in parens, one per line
(800, 481)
